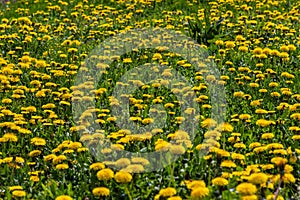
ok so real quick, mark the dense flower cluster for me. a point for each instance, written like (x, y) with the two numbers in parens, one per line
(46, 153)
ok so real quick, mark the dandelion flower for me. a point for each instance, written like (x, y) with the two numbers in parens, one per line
(19, 193)
(220, 181)
(246, 189)
(199, 193)
(63, 197)
(258, 178)
(250, 197)
(123, 177)
(101, 191)
(105, 174)
(167, 192)
(62, 166)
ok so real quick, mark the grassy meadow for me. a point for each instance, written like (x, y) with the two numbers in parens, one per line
(47, 154)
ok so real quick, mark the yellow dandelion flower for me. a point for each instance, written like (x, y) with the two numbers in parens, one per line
(288, 178)
(10, 137)
(264, 122)
(19, 193)
(279, 161)
(258, 178)
(272, 197)
(228, 163)
(167, 192)
(199, 192)
(123, 177)
(249, 197)
(34, 153)
(17, 187)
(229, 44)
(267, 136)
(38, 141)
(219, 181)
(63, 197)
(101, 191)
(97, 166)
(208, 123)
(105, 174)
(246, 189)
(62, 166)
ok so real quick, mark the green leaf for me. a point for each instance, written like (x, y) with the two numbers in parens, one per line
(70, 192)
(47, 190)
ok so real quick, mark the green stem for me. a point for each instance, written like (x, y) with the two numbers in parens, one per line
(171, 172)
(127, 192)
